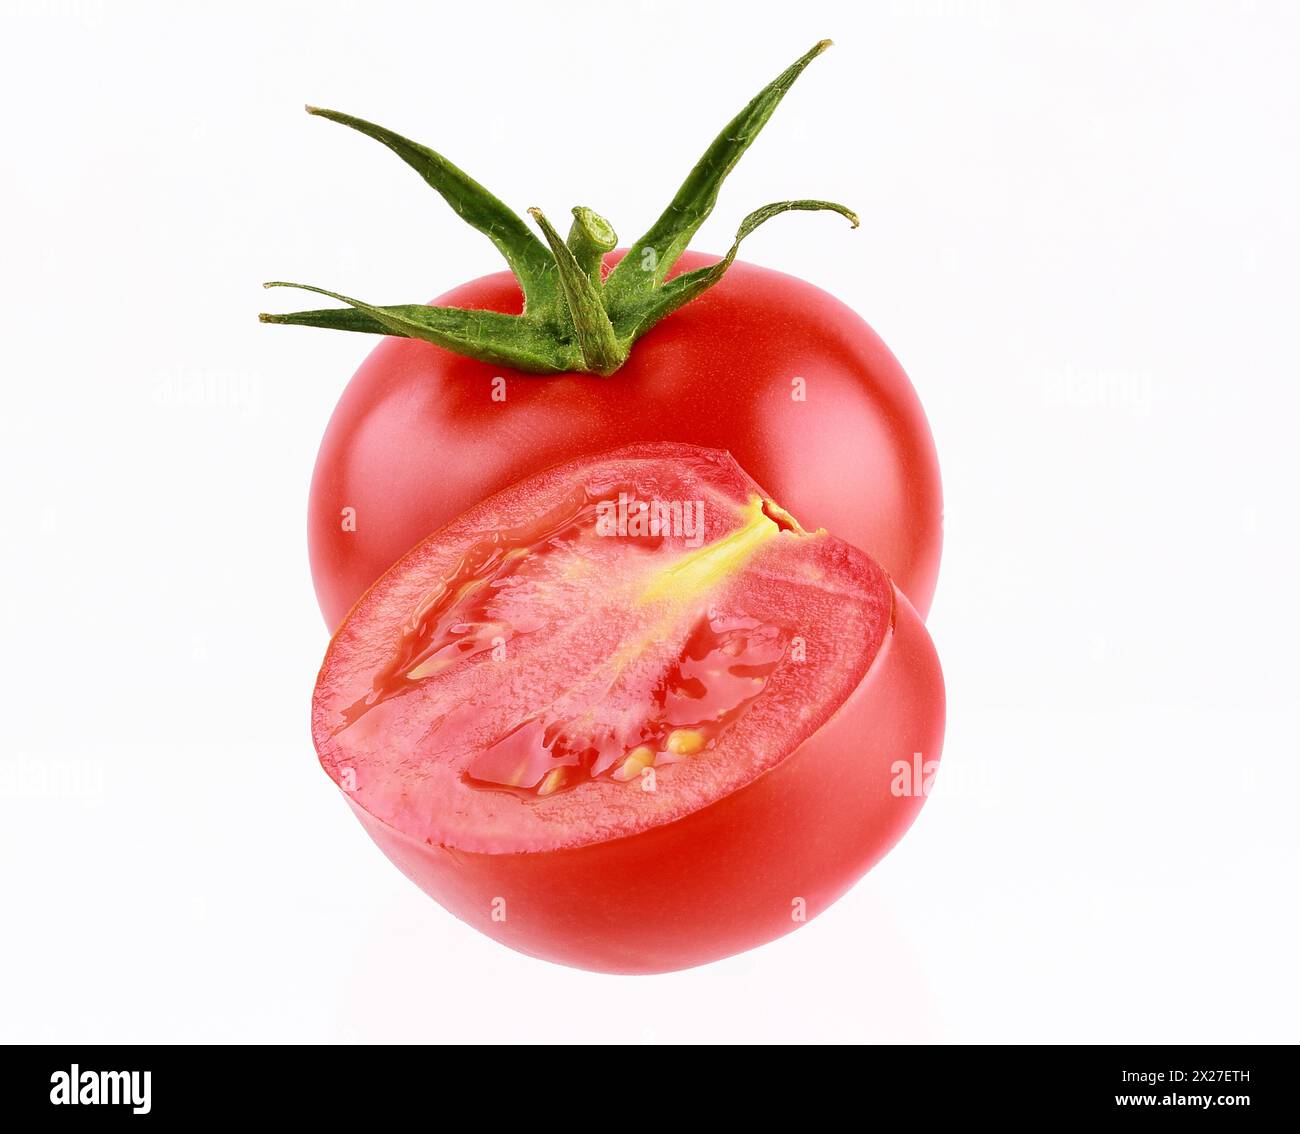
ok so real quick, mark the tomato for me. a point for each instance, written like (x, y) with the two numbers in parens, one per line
(779, 373)
(629, 715)
(580, 348)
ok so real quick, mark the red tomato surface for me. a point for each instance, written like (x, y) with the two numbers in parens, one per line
(418, 437)
(632, 752)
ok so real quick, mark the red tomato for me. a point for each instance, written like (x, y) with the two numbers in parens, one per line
(629, 715)
(779, 373)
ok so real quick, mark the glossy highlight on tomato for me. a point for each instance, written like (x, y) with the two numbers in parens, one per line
(629, 714)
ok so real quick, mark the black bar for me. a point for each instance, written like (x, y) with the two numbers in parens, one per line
(1146, 1084)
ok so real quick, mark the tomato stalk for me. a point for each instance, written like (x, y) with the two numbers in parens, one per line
(574, 317)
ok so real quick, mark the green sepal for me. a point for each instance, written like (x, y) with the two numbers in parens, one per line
(475, 205)
(509, 340)
(678, 292)
(652, 257)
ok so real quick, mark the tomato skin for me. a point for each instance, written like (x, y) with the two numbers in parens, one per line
(727, 877)
(417, 438)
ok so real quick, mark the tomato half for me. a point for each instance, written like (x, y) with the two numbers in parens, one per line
(629, 715)
(782, 375)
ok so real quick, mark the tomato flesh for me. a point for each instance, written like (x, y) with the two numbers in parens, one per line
(622, 645)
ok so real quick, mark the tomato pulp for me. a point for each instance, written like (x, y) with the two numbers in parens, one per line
(629, 715)
(782, 375)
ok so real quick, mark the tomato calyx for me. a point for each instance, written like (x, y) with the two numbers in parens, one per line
(575, 316)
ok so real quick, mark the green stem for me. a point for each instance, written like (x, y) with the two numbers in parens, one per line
(600, 348)
(574, 317)
(590, 238)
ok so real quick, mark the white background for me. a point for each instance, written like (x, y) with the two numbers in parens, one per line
(1079, 235)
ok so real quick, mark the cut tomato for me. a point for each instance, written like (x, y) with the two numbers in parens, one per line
(628, 715)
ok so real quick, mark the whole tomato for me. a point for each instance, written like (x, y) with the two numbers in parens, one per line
(579, 349)
(786, 378)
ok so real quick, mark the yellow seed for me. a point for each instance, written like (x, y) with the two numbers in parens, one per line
(638, 758)
(552, 782)
(685, 741)
(428, 668)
